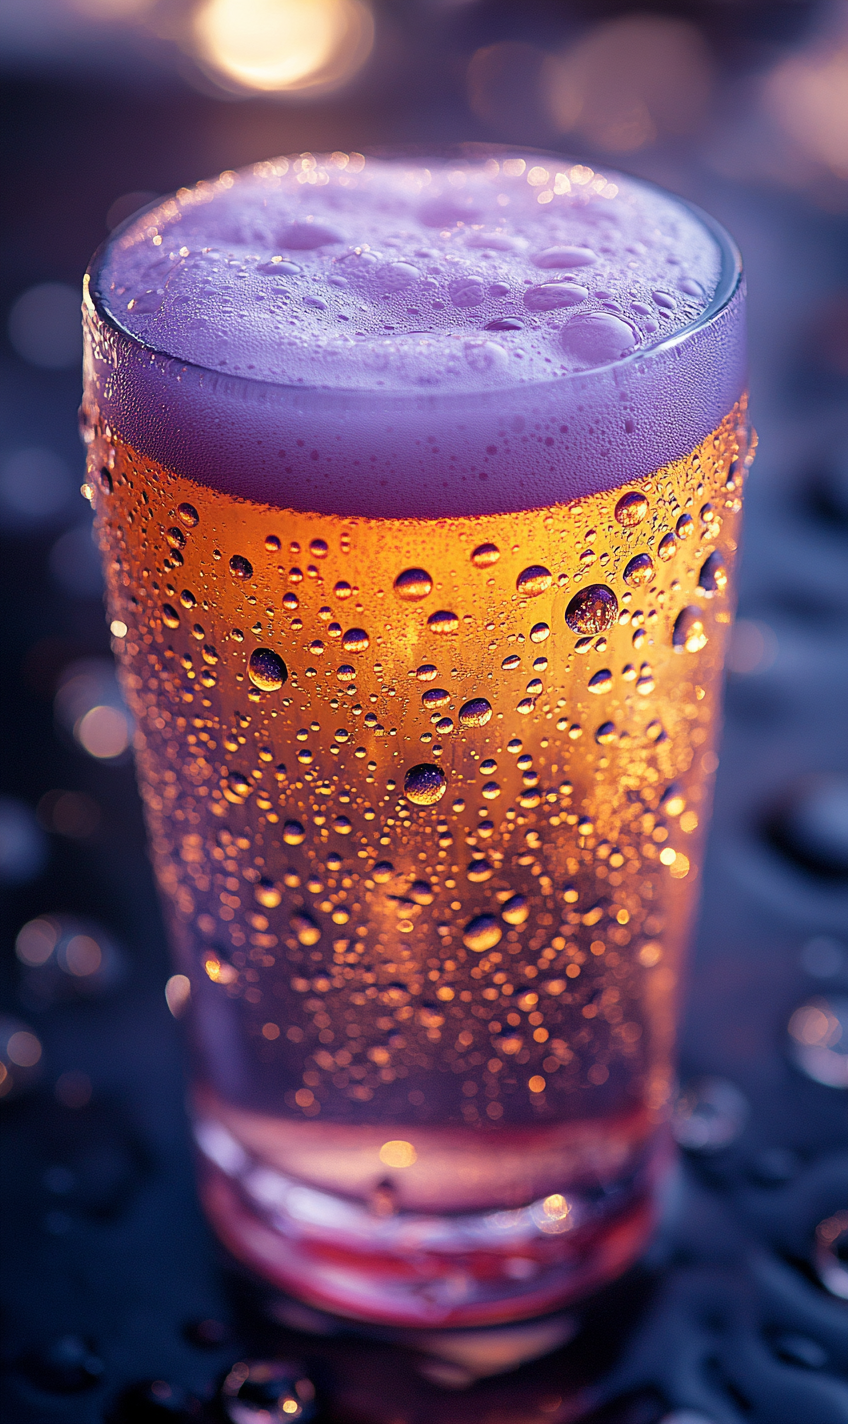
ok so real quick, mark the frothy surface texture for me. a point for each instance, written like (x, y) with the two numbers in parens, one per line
(385, 338)
(391, 277)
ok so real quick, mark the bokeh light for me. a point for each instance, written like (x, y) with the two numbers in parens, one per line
(23, 850)
(280, 46)
(44, 326)
(103, 732)
(89, 705)
(36, 486)
(808, 96)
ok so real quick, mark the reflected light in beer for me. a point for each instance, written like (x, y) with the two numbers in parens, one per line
(280, 46)
(630, 81)
(808, 95)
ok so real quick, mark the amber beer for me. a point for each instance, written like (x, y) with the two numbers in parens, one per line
(426, 794)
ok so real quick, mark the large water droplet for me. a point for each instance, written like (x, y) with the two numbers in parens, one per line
(667, 547)
(293, 833)
(443, 622)
(565, 257)
(534, 580)
(475, 713)
(482, 933)
(713, 575)
(597, 338)
(601, 682)
(267, 670)
(689, 634)
(467, 291)
(424, 784)
(539, 632)
(592, 610)
(426, 672)
(550, 296)
(640, 570)
(307, 931)
(176, 538)
(189, 515)
(413, 584)
(397, 276)
(267, 893)
(684, 526)
(383, 871)
(240, 567)
(170, 616)
(318, 548)
(516, 910)
(480, 870)
(435, 697)
(631, 509)
(355, 640)
(485, 555)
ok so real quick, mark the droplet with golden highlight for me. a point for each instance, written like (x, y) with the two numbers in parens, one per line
(424, 784)
(482, 933)
(413, 585)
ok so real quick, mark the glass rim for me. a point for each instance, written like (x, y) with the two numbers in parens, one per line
(730, 279)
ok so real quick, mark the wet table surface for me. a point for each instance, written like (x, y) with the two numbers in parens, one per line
(739, 1312)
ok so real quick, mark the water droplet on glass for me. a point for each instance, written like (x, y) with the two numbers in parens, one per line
(176, 538)
(482, 933)
(605, 733)
(601, 682)
(424, 784)
(667, 547)
(267, 893)
(355, 640)
(170, 616)
(689, 634)
(318, 548)
(631, 509)
(539, 632)
(444, 726)
(639, 570)
(504, 323)
(240, 567)
(189, 515)
(342, 589)
(475, 713)
(597, 338)
(267, 670)
(413, 585)
(383, 870)
(293, 833)
(485, 555)
(187, 599)
(533, 580)
(443, 622)
(480, 870)
(435, 697)
(565, 257)
(272, 543)
(307, 931)
(592, 610)
(550, 296)
(510, 663)
(426, 672)
(516, 910)
(713, 575)
(684, 526)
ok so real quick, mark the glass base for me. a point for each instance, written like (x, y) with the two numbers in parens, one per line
(410, 1270)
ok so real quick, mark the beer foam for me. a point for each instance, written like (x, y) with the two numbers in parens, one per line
(373, 336)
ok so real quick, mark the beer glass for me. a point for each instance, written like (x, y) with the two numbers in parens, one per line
(418, 490)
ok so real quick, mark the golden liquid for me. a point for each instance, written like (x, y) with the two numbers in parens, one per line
(440, 877)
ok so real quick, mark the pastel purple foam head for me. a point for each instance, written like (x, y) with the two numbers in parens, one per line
(389, 337)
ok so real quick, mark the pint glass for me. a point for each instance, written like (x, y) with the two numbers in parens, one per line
(418, 491)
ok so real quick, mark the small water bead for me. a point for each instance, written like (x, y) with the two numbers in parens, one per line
(601, 682)
(631, 509)
(490, 790)
(267, 670)
(383, 871)
(533, 580)
(551, 296)
(511, 663)
(667, 547)
(443, 622)
(210, 654)
(482, 933)
(488, 766)
(689, 634)
(475, 713)
(713, 575)
(514, 745)
(413, 584)
(334, 630)
(480, 870)
(516, 910)
(176, 538)
(485, 555)
(424, 784)
(640, 570)
(605, 733)
(272, 543)
(684, 526)
(444, 726)
(240, 567)
(346, 673)
(435, 697)
(293, 833)
(187, 599)
(592, 610)
(189, 515)
(305, 928)
(267, 894)
(539, 632)
(318, 548)
(170, 616)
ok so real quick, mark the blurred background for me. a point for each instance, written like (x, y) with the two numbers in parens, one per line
(741, 106)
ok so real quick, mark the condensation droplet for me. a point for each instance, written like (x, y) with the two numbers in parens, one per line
(342, 589)
(516, 910)
(475, 713)
(689, 634)
(640, 570)
(426, 672)
(307, 931)
(318, 548)
(539, 632)
(533, 580)
(189, 515)
(443, 622)
(240, 567)
(293, 833)
(592, 610)
(383, 871)
(413, 585)
(425, 784)
(480, 870)
(176, 538)
(267, 670)
(601, 682)
(511, 662)
(355, 640)
(272, 543)
(605, 733)
(631, 509)
(435, 697)
(684, 526)
(170, 616)
(713, 575)
(482, 933)
(667, 547)
(267, 894)
(485, 555)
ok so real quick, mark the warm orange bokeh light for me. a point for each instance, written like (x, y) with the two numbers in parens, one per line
(278, 46)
